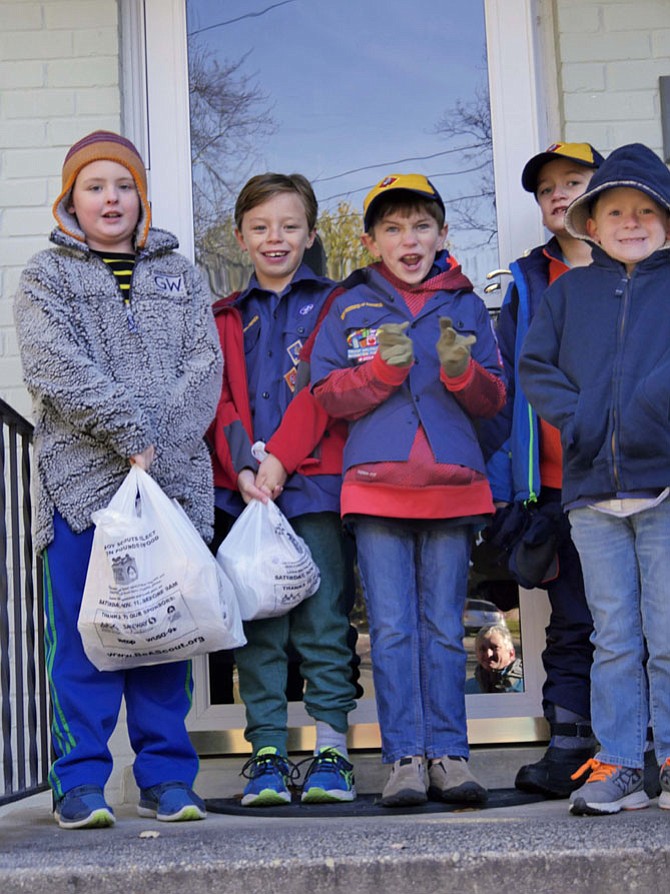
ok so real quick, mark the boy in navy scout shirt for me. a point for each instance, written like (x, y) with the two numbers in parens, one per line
(595, 365)
(393, 358)
(262, 330)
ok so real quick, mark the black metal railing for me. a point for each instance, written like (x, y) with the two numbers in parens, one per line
(24, 711)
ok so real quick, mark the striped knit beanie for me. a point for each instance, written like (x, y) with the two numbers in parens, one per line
(102, 145)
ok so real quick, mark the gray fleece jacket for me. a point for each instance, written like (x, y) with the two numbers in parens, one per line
(102, 392)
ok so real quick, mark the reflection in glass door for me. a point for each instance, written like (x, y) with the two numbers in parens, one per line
(344, 93)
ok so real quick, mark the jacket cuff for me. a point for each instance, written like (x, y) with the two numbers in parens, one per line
(387, 374)
(458, 383)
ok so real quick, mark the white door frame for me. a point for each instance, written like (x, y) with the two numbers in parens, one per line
(524, 114)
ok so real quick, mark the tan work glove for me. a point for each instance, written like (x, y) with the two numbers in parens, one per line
(453, 349)
(395, 348)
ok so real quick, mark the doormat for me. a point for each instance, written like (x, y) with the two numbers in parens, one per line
(370, 805)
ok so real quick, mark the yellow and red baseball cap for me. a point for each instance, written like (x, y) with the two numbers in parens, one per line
(582, 153)
(413, 183)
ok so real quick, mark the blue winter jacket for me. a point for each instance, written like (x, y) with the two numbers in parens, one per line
(596, 364)
(511, 438)
(387, 433)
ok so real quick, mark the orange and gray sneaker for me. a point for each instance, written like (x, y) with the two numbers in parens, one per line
(609, 789)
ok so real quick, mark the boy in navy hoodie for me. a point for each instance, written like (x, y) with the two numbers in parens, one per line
(595, 364)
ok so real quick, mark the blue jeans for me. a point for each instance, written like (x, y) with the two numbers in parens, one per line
(626, 567)
(414, 581)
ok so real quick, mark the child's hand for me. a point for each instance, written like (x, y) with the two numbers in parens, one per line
(246, 483)
(271, 476)
(453, 349)
(395, 348)
(144, 459)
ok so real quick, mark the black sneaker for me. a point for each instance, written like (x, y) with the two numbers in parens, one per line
(551, 775)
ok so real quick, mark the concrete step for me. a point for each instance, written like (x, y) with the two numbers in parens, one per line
(530, 849)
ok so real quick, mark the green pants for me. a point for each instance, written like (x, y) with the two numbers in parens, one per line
(317, 628)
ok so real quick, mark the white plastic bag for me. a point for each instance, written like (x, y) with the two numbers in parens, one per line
(154, 593)
(271, 568)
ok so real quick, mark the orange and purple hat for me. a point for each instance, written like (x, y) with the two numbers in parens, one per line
(102, 145)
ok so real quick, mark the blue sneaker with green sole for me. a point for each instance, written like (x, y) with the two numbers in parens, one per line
(269, 778)
(171, 802)
(84, 807)
(329, 778)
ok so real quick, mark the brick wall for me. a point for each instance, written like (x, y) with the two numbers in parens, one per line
(611, 56)
(60, 79)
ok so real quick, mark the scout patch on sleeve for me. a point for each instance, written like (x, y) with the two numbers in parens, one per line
(170, 283)
(361, 344)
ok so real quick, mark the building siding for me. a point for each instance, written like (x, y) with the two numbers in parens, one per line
(60, 80)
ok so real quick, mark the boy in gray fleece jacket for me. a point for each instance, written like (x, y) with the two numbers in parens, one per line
(122, 360)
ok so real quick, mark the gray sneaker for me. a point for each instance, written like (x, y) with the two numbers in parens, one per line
(608, 789)
(451, 780)
(407, 785)
(664, 778)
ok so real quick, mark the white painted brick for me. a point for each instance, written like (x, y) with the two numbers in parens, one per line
(98, 72)
(635, 75)
(29, 162)
(647, 132)
(80, 14)
(25, 221)
(46, 103)
(604, 47)
(23, 192)
(579, 77)
(19, 133)
(633, 106)
(96, 42)
(66, 131)
(25, 45)
(590, 132)
(660, 42)
(6, 309)
(21, 74)
(21, 16)
(586, 20)
(97, 100)
(643, 14)
(10, 343)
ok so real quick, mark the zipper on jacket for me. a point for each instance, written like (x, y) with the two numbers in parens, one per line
(532, 496)
(617, 377)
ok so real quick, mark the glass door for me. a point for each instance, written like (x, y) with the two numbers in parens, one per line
(345, 93)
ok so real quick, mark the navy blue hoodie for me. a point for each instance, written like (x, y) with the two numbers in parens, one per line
(596, 360)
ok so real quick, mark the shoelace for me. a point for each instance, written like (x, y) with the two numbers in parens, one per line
(599, 771)
(257, 766)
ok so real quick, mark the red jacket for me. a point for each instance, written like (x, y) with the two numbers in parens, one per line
(307, 441)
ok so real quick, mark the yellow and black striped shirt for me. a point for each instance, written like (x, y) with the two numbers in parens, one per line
(122, 266)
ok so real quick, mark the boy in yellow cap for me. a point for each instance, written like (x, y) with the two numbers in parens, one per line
(527, 470)
(407, 355)
(122, 360)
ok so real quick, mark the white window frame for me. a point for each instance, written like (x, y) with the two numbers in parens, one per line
(524, 107)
